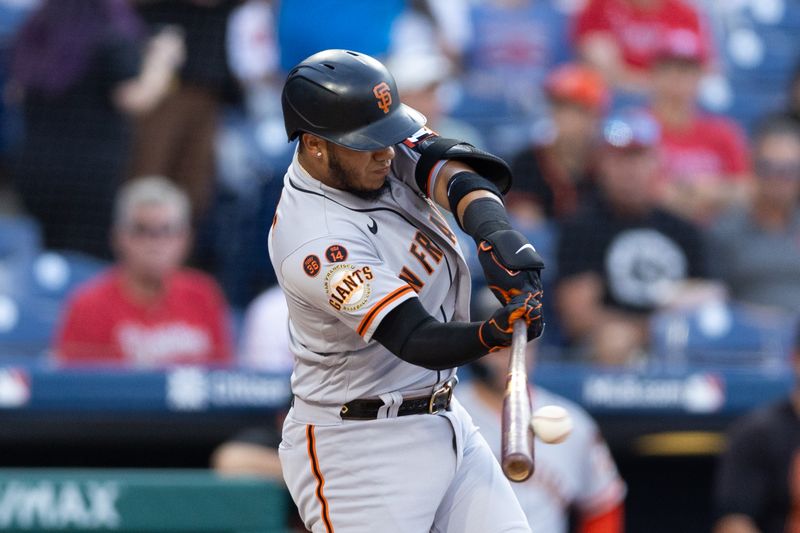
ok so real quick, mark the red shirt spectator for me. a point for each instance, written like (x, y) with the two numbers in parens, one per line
(705, 159)
(148, 311)
(623, 37)
(639, 30)
(188, 324)
(711, 147)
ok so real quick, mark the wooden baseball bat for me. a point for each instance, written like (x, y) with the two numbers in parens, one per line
(517, 450)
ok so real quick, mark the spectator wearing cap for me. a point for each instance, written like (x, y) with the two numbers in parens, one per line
(705, 161)
(757, 485)
(147, 311)
(622, 257)
(621, 37)
(765, 271)
(554, 174)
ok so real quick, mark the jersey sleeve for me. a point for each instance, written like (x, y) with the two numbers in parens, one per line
(345, 277)
(601, 488)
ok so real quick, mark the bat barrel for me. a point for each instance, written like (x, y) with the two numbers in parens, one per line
(517, 445)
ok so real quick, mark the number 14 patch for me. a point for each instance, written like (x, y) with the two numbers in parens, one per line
(336, 253)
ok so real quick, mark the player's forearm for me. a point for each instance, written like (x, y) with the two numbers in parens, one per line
(448, 170)
(414, 336)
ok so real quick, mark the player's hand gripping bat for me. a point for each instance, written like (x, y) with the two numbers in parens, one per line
(517, 452)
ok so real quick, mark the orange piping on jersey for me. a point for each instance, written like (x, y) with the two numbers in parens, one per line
(312, 454)
(434, 170)
(611, 521)
(366, 322)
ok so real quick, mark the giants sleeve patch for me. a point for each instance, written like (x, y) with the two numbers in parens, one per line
(348, 287)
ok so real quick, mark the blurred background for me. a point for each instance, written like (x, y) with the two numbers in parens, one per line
(656, 154)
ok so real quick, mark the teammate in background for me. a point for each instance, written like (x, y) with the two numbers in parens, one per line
(621, 37)
(757, 486)
(578, 474)
(147, 311)
(378, 297)
(705, 162)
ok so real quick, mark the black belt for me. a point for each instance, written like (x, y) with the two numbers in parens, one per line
(433, 404)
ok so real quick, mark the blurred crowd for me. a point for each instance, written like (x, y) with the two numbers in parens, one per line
(655, 210)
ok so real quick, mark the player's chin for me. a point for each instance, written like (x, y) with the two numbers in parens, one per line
(372, 190)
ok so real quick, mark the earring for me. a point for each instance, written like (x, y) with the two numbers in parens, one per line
(319, 154)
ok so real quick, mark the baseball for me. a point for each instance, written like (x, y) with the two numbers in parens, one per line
(551, 423)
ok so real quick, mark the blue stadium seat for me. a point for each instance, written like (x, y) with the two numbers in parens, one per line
(757, 49)
(55, 274)
(20, 241)
(26, 326)
(721, 334)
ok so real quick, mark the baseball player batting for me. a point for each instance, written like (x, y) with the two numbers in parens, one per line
(378, 296)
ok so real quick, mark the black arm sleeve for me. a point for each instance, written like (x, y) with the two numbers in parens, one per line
(414, 336)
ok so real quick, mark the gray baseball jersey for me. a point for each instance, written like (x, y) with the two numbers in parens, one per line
(344, 263)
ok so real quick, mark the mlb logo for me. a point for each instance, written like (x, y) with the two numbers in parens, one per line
(15, 387)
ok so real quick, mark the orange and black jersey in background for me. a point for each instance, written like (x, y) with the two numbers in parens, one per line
(759, 474)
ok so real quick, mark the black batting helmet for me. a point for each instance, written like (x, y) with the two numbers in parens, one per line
(348, 98)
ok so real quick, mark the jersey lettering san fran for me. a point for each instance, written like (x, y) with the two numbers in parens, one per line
(345, 262)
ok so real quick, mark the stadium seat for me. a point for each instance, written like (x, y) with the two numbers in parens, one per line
(756, 41)
(721, 334)
(54, 274)
(20, 241)
(26, 326)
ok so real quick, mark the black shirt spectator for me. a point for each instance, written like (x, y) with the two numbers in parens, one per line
(634, 255)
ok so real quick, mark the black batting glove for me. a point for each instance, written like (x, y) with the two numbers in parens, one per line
(496, 332)
(511, 264)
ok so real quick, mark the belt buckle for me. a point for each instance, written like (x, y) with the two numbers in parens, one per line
(445, 390)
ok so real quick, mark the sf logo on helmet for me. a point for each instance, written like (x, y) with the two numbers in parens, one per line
(384, 95)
